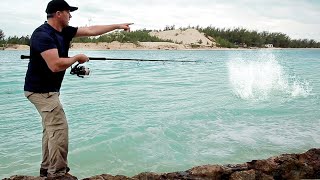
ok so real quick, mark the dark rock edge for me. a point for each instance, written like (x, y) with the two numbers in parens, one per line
(285, 166)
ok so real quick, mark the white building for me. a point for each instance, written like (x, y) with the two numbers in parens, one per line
(268, 45)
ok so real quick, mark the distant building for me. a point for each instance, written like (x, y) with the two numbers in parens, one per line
(243, 45)
(268, 45)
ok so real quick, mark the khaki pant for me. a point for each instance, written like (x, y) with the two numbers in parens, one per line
(55, 132)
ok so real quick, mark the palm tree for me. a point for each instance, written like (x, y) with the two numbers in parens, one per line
(1, 34)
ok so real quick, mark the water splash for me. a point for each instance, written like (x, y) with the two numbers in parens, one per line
(300, 89)
(262, 78)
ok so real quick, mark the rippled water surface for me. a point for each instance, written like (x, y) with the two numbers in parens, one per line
(129, 117)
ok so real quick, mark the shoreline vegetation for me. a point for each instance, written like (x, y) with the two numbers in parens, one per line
(286, 166)
(190, 38)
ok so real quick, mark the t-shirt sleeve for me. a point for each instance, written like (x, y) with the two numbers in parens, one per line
(70, 32)
(42, 41)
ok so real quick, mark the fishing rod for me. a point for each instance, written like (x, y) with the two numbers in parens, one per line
(82, 71)
(124, 59)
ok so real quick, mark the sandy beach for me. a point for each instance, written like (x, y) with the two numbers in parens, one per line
(16, 47)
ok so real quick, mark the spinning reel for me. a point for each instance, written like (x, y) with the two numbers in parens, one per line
(80, 71)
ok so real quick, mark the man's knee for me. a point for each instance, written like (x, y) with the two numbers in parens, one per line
(54, 117)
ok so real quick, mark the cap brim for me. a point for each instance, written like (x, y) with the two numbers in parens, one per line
(73, 8)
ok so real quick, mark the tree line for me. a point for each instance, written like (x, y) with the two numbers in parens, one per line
(238, 37)
(122, 37)
(25, 40)
(230, 38)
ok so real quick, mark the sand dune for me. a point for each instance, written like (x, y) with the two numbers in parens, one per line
(186, 37)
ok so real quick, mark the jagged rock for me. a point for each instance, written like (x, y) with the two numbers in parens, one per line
(108, 177)
(24, 178)
(210, 172)
(286, 166)
(290, 166)
(312, 160)
(147, 175)
(244, 175)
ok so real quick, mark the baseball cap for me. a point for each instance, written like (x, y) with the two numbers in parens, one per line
(59, 5)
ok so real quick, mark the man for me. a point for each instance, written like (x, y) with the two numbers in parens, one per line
(49, 48)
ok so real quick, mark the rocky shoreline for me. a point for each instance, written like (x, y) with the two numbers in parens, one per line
(286, 166)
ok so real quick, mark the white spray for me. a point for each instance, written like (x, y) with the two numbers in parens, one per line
(263, 77)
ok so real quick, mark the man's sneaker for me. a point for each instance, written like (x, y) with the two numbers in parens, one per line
(67, 176)
(44, 172)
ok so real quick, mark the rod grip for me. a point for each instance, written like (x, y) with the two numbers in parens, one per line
(97, 58)
(24, 57)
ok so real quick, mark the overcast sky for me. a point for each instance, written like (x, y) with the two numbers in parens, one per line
(296, 18)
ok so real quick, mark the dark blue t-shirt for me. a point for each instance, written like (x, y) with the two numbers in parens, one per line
(39, 78)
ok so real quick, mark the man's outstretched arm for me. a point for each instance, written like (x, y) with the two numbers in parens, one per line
(101, 29)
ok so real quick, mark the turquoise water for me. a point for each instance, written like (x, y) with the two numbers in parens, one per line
(129, 117)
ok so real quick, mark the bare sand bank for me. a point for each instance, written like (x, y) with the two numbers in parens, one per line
(125, 46)
(143, 46)
(15, 47)
(187, 39)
